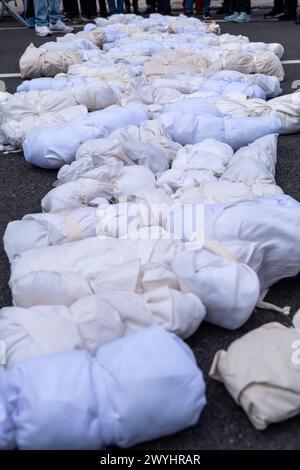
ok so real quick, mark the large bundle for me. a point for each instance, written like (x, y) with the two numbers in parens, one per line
(118, 394)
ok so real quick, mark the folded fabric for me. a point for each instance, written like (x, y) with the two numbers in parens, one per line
(260, 370)
(62, 274)
(44, 229)
(17, 131)
(236, 132)
(148, 377)
(96, 36)
(36, 63)
(54, 146)
(95, 320)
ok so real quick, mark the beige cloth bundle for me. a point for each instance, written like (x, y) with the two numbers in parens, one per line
(35, 63)
(173, 61)
(261, 371)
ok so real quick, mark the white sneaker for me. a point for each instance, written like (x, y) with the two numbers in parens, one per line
(42, 31)
(60, 27)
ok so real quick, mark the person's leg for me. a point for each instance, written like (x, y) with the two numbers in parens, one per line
(135, 5)
(206, 6)
(41, 12)
(290, 7)
(88, 8)
(278, 6)
(71, 9)
(112, 7)
(189, 6)
(127, 6)
(103, 8)
(120, 4)
(54, 11)
(164, 7)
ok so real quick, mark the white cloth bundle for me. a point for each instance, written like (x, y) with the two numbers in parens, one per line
(52, 147)
(44, 229)
(16, 131)
(96, 36)
(195, 163)
(54, 83)
(229, 289)
(186, 25)
(148, 377)
(271, 236)
(261, 372)
(147, 145)
(62, 274)
(36, 63)
(268, 83)
(95, 320)
(97, 183)
(77, 44)
(236, 132)
(111, 181)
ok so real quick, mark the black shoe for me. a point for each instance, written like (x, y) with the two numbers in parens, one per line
(136, 11)
(223, 11)
(127, 10)
(297, 20)
(206, 16)
(286, 17)
(149, 10)
(189, 14)
(273, 14)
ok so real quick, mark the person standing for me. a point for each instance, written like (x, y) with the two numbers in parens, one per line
(161, 6)
(48, 19)
(88, 9)
(115, 6)
(135, 6)
(205, 9)
(242, 13)
(290, 10)
(227, 8)
(277, 10)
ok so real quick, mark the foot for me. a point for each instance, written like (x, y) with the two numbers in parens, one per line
(206, 16)
(297, 20)
(136, 11)
(273, 14)
(42, 31)
(127, 10)
(286, 17)
(189, 14)
(242, 18)
(231, 17)
(60, 27)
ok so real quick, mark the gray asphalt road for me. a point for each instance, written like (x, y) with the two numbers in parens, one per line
(223, 424)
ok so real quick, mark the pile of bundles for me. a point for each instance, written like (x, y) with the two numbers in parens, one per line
(162, 117)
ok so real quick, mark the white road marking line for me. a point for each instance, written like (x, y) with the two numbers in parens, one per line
(9, 75)
(290, 62)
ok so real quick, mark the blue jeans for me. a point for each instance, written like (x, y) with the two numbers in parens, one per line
(115, 6)
(189, 6)
(45, 9)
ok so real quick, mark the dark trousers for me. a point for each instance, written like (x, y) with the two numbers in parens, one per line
(243, 5)
(88, 8)
(134, 4)
(290, 7)
(161, 6)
